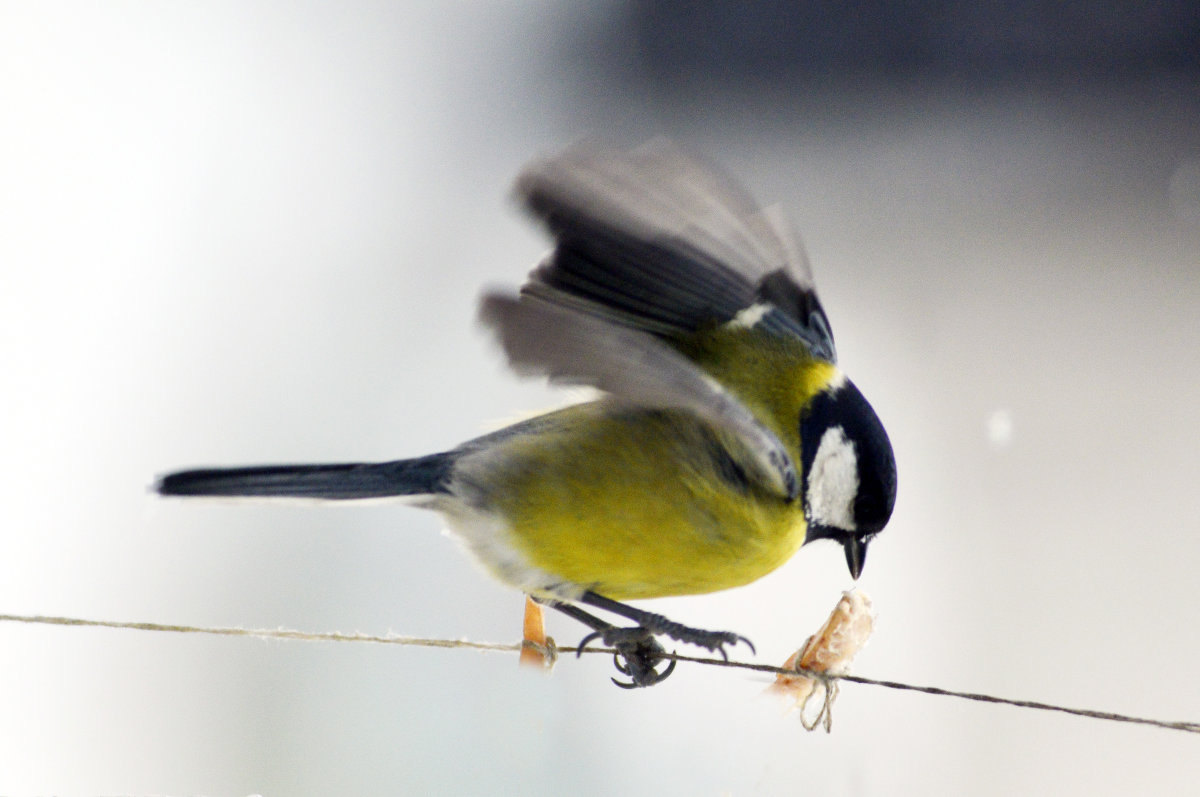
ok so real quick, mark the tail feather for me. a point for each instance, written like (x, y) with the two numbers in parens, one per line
(345, 481)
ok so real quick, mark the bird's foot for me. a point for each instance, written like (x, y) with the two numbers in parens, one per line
(638, 653)
(712, 641)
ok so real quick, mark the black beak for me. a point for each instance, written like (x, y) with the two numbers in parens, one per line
(856, 555)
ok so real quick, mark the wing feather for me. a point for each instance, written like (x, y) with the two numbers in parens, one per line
(656, 239)
(650, 246)
(631, 365)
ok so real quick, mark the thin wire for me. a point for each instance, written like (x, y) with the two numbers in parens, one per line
(1187, 727)
(261, 633)
(396, 639)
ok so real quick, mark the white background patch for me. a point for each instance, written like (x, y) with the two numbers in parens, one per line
(1000, 429)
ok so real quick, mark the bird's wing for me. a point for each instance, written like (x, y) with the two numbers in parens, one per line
(540, 336)
(653, 239)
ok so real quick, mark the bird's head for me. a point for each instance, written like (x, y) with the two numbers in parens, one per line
(849, 471)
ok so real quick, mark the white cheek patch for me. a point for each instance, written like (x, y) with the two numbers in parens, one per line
(833, 481)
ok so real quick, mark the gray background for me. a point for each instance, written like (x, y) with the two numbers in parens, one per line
(255, 232)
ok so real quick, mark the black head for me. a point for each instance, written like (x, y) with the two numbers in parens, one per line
(849, 471)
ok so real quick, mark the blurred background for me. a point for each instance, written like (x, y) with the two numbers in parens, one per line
(252, 232)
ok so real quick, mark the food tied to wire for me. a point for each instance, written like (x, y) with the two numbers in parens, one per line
(726, 436)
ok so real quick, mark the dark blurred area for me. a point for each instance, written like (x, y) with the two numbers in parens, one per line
(984, 42)
(1103, 96)
(671, 44)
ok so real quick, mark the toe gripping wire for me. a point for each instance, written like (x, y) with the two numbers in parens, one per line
(638, 653)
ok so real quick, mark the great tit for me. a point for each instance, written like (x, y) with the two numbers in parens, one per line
(725, 436)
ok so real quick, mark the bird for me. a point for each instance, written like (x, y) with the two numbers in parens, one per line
(722, 435)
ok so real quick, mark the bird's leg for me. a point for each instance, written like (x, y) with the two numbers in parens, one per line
(656, 624)
(638, 652)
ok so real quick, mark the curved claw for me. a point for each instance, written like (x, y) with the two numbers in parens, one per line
(731, 639)
(651, 676)
(583, 642)
(639, 664)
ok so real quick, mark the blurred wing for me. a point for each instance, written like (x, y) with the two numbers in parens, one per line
(541, 337)
(653, 239)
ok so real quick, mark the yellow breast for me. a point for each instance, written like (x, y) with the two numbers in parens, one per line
(630, 505)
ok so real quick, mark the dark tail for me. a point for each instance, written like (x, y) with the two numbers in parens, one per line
(421, 476)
